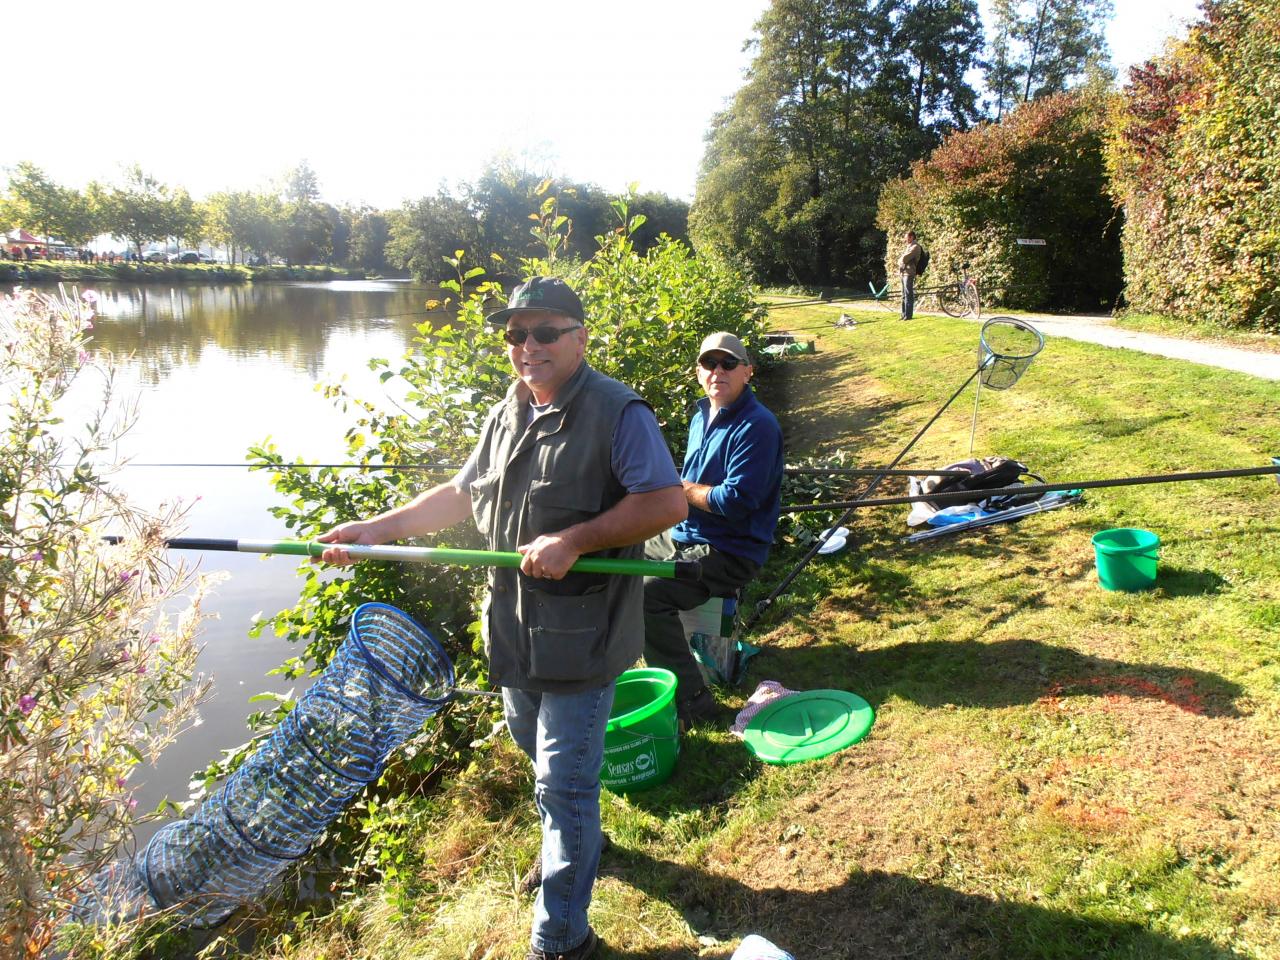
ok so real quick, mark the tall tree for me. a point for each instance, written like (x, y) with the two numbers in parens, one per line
(38, 204)
(1042, 47)
(264, 219)
(301, 185)
(1001, 66)
(936, 42)
(841, 96)
(141, 208)
(426, 231)
(307, 224)
(368, 234)
(187, 220)
(221, 213)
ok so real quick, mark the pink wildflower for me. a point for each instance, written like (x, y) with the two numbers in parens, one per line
(126, 575)
(26, 703)
(82, 357)
(142, 669)
(125, 654)
(133, 804)
(89, 296)
(120, 781)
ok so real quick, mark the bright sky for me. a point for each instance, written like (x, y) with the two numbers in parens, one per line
(388, 100)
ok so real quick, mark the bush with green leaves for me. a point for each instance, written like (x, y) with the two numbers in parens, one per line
(1038, 174)
(95, 675)
(646, 316)
(1195, 158)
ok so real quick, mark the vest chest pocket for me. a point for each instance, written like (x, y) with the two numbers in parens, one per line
(567, 634)
(556, 506)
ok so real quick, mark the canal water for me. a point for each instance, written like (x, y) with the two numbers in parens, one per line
(215, 370)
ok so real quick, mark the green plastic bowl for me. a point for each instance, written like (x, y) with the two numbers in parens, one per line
(1126, 558)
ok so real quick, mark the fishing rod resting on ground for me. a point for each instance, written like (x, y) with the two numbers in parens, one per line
(971, 496)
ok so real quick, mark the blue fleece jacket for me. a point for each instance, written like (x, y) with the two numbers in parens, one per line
(738, 453)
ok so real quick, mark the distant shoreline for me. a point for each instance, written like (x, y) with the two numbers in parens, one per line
(46, 271)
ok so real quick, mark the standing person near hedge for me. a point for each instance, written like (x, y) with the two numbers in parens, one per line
(908, 265)
(732, 479)
(570, 463)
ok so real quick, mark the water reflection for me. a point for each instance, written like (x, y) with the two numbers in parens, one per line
(217, 369)
(168, 329)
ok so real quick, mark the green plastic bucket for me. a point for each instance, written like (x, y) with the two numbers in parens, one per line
(642, 739)
(1126, 558)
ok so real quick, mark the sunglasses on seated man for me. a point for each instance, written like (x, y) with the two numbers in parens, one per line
(710, 363)
(544, 334)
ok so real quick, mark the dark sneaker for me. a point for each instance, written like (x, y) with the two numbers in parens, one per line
(587, 948)
(532, 878)
(700, 708)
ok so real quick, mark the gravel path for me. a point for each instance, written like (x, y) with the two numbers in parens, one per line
(1100, 330)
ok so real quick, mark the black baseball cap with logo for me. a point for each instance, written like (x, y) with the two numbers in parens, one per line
(541, 293)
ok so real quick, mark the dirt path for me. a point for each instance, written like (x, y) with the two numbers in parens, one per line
(1100, 330)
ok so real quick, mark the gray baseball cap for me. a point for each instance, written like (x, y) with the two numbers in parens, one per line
(725, 343)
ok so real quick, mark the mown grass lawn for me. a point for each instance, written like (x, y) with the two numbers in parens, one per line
(1056, 771)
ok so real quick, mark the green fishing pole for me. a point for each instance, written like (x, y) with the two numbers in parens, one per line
(689, 570)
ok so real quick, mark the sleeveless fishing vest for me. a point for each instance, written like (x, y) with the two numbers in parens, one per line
(555, 636)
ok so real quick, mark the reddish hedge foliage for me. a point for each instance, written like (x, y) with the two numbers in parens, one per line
(1195, 158)
(1038, 174)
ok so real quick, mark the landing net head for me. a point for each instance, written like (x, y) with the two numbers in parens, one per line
(402, 651)
(1006, 348)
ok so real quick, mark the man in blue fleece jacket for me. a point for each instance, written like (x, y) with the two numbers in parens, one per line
(732, 479)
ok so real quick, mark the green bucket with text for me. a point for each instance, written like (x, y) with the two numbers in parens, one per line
(642, 739)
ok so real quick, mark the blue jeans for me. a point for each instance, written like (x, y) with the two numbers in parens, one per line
(908, 295)
(563, 734)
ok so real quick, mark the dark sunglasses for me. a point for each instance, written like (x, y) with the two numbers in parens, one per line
(710, 363)
(547, 334)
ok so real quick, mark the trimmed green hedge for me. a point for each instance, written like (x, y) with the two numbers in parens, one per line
(1038, 174)
(1195, 158)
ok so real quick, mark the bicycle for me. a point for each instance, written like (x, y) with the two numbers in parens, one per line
(959, 298)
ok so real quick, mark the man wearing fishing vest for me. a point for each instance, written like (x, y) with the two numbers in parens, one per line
(732, 479)
(570, 463)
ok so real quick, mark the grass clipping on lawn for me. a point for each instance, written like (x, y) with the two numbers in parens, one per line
(1056, 771)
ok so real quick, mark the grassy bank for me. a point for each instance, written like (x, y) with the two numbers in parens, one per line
(37, 271)
(1056, 771)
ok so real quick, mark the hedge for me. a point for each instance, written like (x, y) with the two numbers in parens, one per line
(1195, 158)
(1039, 174)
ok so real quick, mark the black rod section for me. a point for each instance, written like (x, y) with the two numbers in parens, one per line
(874, 472)
(971, 496)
